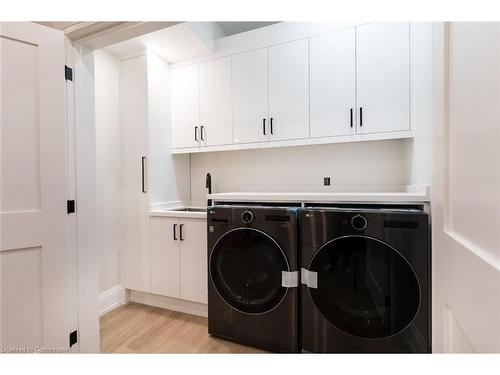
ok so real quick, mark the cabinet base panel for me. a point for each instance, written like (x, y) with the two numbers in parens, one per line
(168, 303)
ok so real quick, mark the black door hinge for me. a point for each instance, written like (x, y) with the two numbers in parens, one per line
(68, 73)
(73, 338)
(70, 206)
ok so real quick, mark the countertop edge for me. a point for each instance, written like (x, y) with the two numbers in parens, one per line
(397, 197)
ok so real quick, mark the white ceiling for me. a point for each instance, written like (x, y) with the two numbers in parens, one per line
(174, 43)
(236, 27)
(182, 41)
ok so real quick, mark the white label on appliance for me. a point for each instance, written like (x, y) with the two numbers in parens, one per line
(290, 279)
(309, 278)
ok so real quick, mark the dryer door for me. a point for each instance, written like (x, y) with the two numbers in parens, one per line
(245, 268)
(365, 287)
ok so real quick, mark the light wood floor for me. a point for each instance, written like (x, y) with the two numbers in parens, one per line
(136, 328)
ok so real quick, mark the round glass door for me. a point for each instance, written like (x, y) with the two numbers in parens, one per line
(245, 267)
(365, 287)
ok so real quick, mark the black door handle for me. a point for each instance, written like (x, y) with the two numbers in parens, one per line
(360, 116)
(180, 232)
(175, 237)
(271, 125)
(264, 126)
(143, 171)
(196, 133)
(202, 128)
(351, 118)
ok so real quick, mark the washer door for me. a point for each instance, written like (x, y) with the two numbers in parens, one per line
(365, 287)
(245, 267)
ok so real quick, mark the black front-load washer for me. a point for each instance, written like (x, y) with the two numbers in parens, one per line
(253, 276)
(365, 280)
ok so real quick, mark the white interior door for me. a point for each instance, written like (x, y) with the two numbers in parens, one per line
(289, 90)
(383, 77)
(333, 83)
(250, 96)
(165, 256)
(185, 97)
(466, 188)
(216, 115)
(34, 304)
(193, 260)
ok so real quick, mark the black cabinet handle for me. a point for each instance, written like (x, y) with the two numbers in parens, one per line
(143, 172)
(175, 237)
(264, 126)
(351, 118)
(180, 232)
(202, 128)
(271, 125)
(360, 116)
(196, 133)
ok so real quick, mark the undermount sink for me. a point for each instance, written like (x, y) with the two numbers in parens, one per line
(189, 209)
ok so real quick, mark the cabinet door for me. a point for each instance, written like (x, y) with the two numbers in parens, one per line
(136, 196)
(193, 255)
(165, 259)
(185, 106)
(250, 96)
(215, 102)
(333, 83)
(289, 90)
(383, 85)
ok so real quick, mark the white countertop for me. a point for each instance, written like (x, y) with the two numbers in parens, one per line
(173, 212)
(420, 195)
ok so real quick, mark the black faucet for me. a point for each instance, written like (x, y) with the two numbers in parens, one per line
(208, 185)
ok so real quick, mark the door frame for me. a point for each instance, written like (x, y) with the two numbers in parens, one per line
(82, 187)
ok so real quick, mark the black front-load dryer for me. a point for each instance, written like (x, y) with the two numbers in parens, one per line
(253, 276)
(365, 280)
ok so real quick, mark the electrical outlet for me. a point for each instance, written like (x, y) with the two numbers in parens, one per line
(326, 181)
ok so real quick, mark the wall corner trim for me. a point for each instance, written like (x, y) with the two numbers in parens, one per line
(111, 299)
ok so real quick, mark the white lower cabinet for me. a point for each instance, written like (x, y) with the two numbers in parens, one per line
(193, 260)
(179, 258)
(165, 260)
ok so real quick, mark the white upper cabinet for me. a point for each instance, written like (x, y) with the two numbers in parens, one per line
(289, 90)
(185, 106)
(383, 87)
(250, 96)
(353, 84)
(215, 102)
(333, 83)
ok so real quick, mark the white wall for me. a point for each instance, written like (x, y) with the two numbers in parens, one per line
(420, 147)
(108, 167)
(382, 165)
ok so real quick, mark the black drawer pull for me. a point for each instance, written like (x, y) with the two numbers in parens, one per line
(360, 116)
(264, 126)
(196, 133)
(143, 173)
(351, 118)
(175, 237)
(180, 232)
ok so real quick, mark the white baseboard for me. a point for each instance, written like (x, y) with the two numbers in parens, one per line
(111, 299)
(168, 303)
